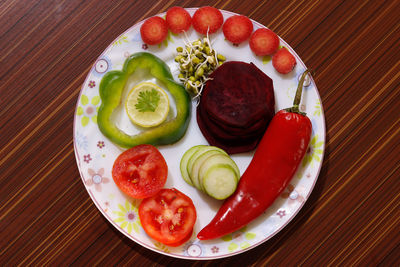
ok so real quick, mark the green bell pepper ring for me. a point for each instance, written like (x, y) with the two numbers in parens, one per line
(111, 89)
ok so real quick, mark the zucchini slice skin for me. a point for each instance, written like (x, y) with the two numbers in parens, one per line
(184, 161)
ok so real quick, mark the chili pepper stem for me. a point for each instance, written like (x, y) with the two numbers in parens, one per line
(299, 91)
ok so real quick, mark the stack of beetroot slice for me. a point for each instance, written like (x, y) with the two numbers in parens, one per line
(236, 107)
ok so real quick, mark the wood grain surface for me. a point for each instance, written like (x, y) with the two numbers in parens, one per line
(352, 216)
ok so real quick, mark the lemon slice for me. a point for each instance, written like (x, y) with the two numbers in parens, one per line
(147, 105)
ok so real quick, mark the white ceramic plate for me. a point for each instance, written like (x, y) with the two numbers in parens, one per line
(95, 154)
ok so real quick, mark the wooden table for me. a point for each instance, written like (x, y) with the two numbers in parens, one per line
(351, 217)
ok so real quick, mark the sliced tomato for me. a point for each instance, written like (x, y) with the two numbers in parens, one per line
(140, 171)
(168, 217)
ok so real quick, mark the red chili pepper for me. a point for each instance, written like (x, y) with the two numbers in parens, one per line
(274, 164)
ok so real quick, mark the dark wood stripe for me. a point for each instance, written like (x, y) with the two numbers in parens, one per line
(347, 39)
(304, 11)
(351, 49)
(7, 21)
(392, 257)
(43, 55)
(70, 235)
(362, 68)
(60, 230)
(287, 11)
(25, 187)
(44, 213)
(383, 214)
(325, 27)
(390, 227)
(29, 37)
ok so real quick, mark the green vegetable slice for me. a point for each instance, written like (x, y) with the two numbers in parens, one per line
(220, 181)
(194, 173)
(184, 162)
(194, 157)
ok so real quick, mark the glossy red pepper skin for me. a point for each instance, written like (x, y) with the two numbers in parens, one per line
(274, 164)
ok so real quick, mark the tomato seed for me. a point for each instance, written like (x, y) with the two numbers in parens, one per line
(159, 219)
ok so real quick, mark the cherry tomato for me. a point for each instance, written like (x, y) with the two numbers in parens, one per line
(140, 171)
(168, 217)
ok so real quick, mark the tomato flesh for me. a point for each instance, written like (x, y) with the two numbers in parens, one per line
(168, 217)
(140, 171)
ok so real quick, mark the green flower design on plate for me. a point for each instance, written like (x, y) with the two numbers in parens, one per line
(266, 59)
(239, 239)
(161, 247)
(168, 39)
(128, 217)
(88, 109)
(121, 40)
(317, 107)
(314, 151)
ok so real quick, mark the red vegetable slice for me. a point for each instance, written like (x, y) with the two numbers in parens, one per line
(283, 61)
(207, 18)
(230, 146)
(154, 30)
(230, 133)
(140, 171)
(264, 42)
(236, 107)
(168, 217)
(256, 128)
(239, 95)
(178, 19)
(237, 29)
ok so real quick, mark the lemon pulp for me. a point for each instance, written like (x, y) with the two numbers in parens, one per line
(148, 118)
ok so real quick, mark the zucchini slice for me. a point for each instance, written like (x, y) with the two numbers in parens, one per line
(215, 160)
(184, 162)
(197, 154)
(220, 181)
(194, 173)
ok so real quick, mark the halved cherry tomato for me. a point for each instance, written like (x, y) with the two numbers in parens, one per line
(168, 217)
(140, 171)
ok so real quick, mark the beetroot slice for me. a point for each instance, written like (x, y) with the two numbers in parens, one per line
(238, 95)
(257, 127)
(225, 132)
(230, 146)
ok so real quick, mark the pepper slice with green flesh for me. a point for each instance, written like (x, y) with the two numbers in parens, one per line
(111, 89)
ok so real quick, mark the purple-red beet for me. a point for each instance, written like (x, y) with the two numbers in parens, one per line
(227, 132)
(236, 107)
(239, 94)
(230, 146)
